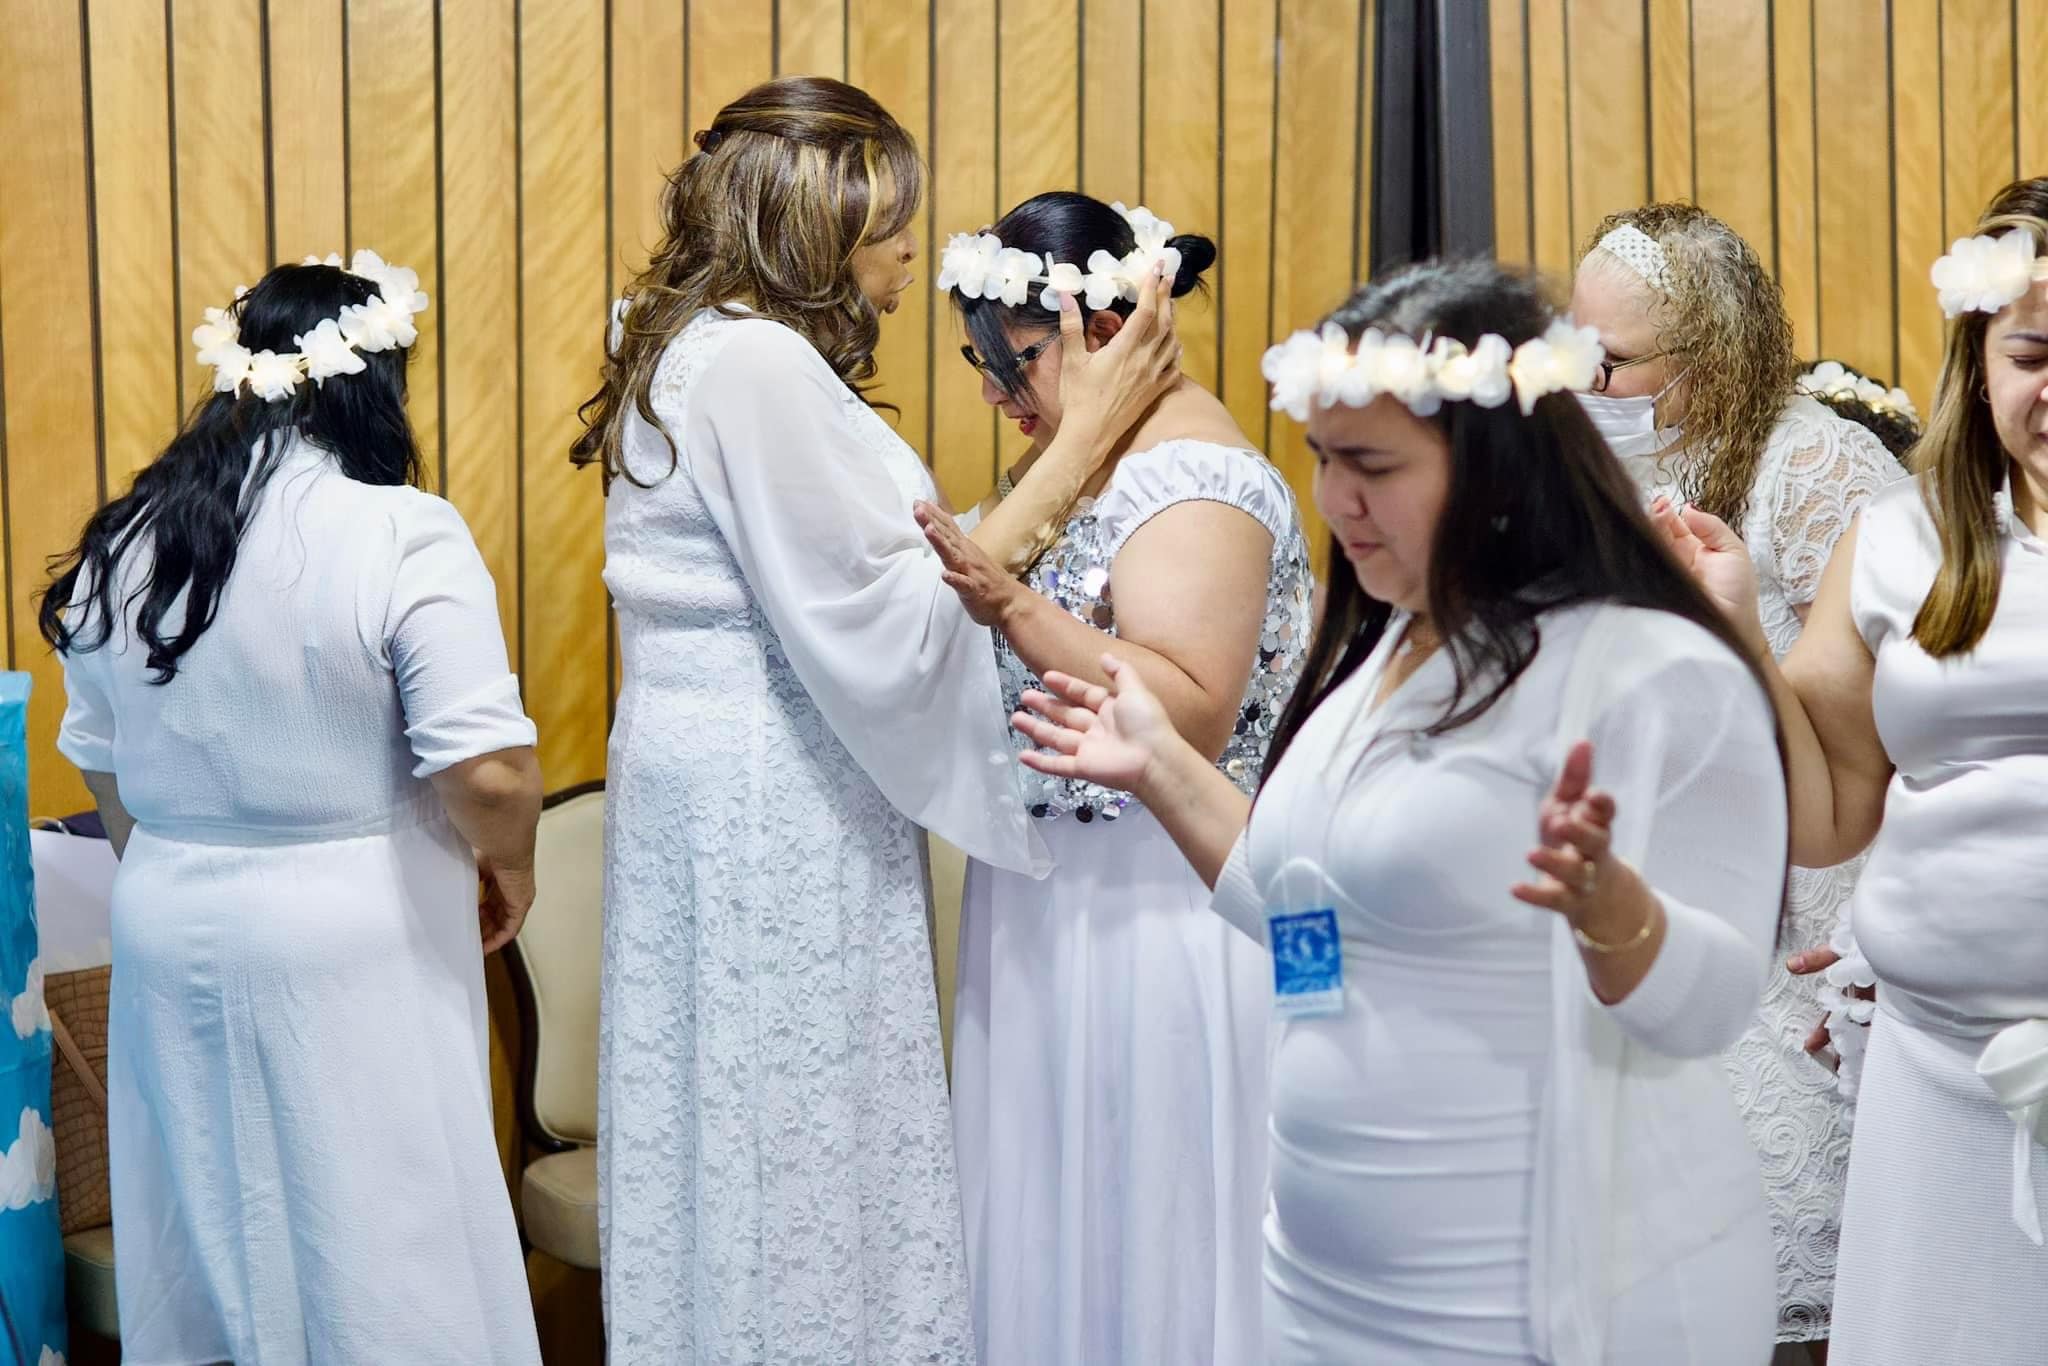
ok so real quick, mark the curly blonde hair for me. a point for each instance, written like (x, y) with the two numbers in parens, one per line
(1722, 319)
(790, 180)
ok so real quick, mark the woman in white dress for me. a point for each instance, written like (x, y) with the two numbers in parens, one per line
(1498, 1135)
(1109, 1034)
(801, 694)
(289, 694)
(1698, 397)
(1915, 710)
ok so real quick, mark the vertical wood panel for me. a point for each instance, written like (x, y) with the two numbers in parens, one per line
(648, 139)
(223, 219)
(889, 56)
(1181, 148)
(1111, 113)
(46, 310)
(1916, 196)
(1795, 255)
(1039, 74)
(1361, 141)
(141, 342)
(1671, 99)
(562, 271)
(1610, 156)
(1550, 170)
(394, 186)
(731, 50)
(2030, 43)
(1510, 91)
(811, 38)
(1977, 106)
(1853, 161)
(479, 304)
(1732, 111)
(963, 130)
(1244, 257)
(308, 206)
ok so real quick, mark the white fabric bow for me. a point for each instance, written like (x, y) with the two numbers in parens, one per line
(2015, 1066)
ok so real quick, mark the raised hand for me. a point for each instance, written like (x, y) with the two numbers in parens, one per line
(1114, 386)
(985, 588)
(1111, 736)
(1714, 555)
(1575, 825)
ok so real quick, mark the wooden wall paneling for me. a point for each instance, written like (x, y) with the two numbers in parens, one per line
(1978, 125)
(889, 56)
(308, 177)
(1112, 76)
(648, 138)
(1917, 241)
(1038, 132)
(562, 281)
(1361, 141)
(479, 304)
(1510, 90)
(223, 220)
(960, 144)
(1609, 123)
(1795, 253)
(731, 50)
(2030, 47)
(811, 38)
(1553, 242)
(1244, 258)
(1853, 165)
(1669, 37)
(1182, 152)
(394, 178)
(142, 340)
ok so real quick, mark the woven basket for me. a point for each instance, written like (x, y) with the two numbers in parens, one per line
(78, 1096)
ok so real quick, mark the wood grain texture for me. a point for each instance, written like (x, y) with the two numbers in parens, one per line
(1510, 92)
(1916, 196)
(811, 38)
(1182, 144)
(1979, 135)
(308, 175)
(963, 137)
(1244, 259)
(1853, 165)
(648, 138)
(1796, 256)
(1113, 67)
(1669, 35)
(1554, 241)
(1610, 139)
(889, 48)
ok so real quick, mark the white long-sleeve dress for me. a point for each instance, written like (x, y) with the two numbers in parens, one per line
(1109, 1044)
(298, 1082)
(801, 693)
(1818, 470)
(1476, 1162)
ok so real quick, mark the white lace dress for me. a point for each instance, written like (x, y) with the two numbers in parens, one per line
(801, 693)
(1818, 470)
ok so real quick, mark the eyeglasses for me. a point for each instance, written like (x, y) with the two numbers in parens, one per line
(1024, 357)
(1608, 367)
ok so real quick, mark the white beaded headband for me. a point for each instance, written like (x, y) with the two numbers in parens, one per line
(1321, 369)
(1983, 274)
(1641, 253)
(331, 348)
(979, 266)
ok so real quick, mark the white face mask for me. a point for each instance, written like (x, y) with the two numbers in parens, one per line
(1629, 424)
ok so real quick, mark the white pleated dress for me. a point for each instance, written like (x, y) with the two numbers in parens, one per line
(299, 1099)
(1952, 912)
(1110, 1033)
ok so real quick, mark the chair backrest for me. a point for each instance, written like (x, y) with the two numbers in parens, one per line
(557, 957)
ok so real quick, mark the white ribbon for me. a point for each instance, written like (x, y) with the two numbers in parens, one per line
(2015, 1066)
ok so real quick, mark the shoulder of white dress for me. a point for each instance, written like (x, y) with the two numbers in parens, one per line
(1186, 470)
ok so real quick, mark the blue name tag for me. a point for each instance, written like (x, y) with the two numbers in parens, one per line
(1308, 962)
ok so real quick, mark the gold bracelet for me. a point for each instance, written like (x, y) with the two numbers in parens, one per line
(1587, 941)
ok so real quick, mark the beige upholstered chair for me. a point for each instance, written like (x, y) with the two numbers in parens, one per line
(555, 967)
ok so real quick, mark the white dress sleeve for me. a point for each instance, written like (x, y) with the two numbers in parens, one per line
(86, 735)
(822, 530)
(442, 638)
(1682, 737)
(1174, 472)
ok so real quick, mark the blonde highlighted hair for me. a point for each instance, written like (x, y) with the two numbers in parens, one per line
(1722, 319)
(1961, 462)
(789, 181)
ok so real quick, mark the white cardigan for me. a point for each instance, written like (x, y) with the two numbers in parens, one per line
(1641, 1155)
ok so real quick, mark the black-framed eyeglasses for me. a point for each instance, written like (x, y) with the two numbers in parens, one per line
(1608, 367)
(1024, 357)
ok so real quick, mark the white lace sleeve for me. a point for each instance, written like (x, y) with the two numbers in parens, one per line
(1819, 470)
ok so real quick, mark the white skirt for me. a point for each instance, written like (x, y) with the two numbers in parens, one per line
(1109, 1097)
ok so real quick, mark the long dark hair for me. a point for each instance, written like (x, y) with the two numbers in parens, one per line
(1539, 515)
(1064, 226)
(188, 509)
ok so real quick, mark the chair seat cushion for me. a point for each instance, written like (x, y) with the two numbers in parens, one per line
(558, 1196)
(89, 1279)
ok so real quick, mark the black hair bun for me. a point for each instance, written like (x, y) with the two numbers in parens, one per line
(1197, 254)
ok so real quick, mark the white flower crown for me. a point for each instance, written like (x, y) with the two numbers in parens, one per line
(1832, 379)
(1323, 369)
(981, 267)
(1983, 274)
(329, 349)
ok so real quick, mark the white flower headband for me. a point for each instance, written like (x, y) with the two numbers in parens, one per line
(1984, 274)
(1832, 379)
(329, 349)
(1641, 253)
(981, 267)
(1324, 369)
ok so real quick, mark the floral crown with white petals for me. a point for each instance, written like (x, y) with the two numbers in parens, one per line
(1832, 379)
(331, 348)
(1983, 274)
(1323, 369)
(979, 266)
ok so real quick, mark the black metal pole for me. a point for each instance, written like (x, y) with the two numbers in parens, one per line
(1432, 132)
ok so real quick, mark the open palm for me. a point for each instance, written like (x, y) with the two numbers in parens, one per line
(1109, 736)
